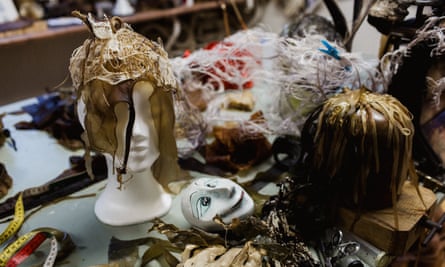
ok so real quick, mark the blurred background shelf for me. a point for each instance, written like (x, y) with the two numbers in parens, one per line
(36, 58)
(40, 30)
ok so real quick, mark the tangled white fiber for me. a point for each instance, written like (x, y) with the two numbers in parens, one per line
(305, 77)
(235, 64)
(234, 61)
(431, 32)
(290, 77)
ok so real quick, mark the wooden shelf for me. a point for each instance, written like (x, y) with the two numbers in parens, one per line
(39, 29)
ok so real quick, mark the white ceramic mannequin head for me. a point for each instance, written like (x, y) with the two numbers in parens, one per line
(132, 196)
(124, 84)
(205, 198)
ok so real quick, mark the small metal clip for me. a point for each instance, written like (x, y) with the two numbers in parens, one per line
(434, 226)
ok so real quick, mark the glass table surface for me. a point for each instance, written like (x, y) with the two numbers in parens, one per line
(38, 159)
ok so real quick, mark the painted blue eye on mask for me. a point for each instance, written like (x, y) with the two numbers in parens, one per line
(205, 201)
(201, 205)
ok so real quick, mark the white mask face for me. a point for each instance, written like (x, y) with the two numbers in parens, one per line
(205, 198)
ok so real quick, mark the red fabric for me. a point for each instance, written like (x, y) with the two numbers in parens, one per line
(226, 58)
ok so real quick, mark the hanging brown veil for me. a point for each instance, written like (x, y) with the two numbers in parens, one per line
(104, 70)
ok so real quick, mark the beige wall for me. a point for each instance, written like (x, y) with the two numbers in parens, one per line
(28, 69)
